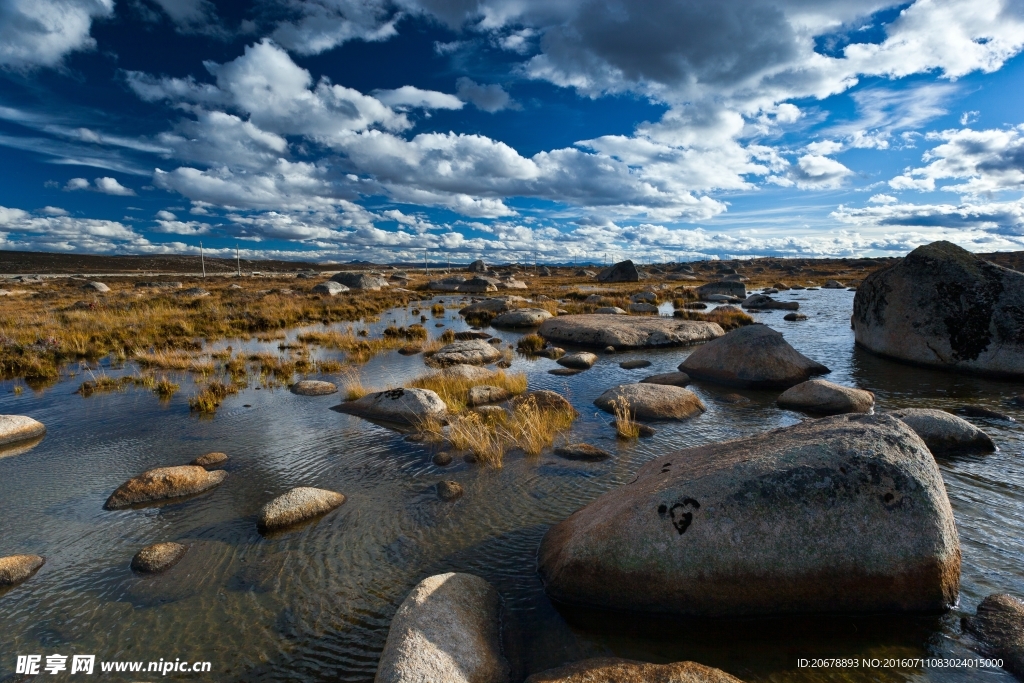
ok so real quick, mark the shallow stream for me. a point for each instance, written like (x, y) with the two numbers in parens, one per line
(314, 603)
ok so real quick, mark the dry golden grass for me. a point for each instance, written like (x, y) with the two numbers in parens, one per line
(729, 319)
(454, 391)
(626, 426)
(356, 350)
(531, 343)
(437, 310)
(528, 427)
(211, 396)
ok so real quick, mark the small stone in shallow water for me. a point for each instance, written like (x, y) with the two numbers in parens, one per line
(313, 387)
(17, 568)
(443, 459)
(449, 490)
(732, 398)
(975, 411)
(564, 372)
(469, 458)
(794, 317)
(643, 430)
(158, 557)
(582, 451)
(297, 505)
(210, 459)
(634, 364)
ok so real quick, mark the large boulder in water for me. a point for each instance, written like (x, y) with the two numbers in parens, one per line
(999, 624)
(846, 514)
(447, 629)
(751, 356)
(624, 271)
(15, 428)
(162, 483)
(945, 433)
(826, 398)
(615, 670)
(627, 332)
(402, 406)
(652, 401)
(360, 281)
(943, 306)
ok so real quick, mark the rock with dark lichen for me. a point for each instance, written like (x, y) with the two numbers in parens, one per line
(944, 307)
(722, 529)
(158, 557)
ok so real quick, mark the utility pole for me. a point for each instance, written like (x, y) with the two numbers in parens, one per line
(202, 259)
(425, 261)
(238, 260)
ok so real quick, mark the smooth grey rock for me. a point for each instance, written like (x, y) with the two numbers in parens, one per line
(634, 364)
(162, 483)
(826, 398)
(722, 529)
(484, 394)
(652, 401)
(676, 379)
(581, 360)
(447, 630)
(469, 352)
(944, 307)
(297, 505)
(468, 373)
(643, 308)
(402, 406)
(314, 387)
(624, 271)
(757, 302)
(726, 287)
(751, 356)
(357, 280)
(494, 305)
(609, 310)
(999, 624)
(945, 433)
(158, 557)
(644, 298)
(96, 287)
(15, 569)
(522, 317)
(627, 331)
(330, 288)
(15, 428)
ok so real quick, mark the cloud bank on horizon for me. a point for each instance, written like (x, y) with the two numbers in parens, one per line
(511, 129)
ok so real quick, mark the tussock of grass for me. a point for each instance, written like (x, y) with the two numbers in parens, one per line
(411, 332)
(211, 396)
(356, 350)
(101, 383)
(729, 319)
(165, 388)
(531, 343)
(528, 427)
(454, 391)
(437, 310)
(174, 360)
(626, 426)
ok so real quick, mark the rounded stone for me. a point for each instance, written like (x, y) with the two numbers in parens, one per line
(547, 400)
(314, 387)
(483, 394)
(15, 569)
(399, 406)
(442, 459)
(158, 557)
(652, 401)
(15, 428)
(634, 364)
(794, 317)
(164, 483)
(297, 505)
(330, 288)
(449, 490)
(945, 433)
(999, 624)
(676, 379)
(468, 352)
(581, 360)
(213, 459)
(582, 451)
(826, 398)
(521, 317)
(751, 356)
(447, 629)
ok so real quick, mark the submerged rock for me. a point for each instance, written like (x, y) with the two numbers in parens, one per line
(210, 459)
(999, 624)
(826, 398)
(15, 569)
(652, 401)
(615, 670)
(162, 483)
(14, 428)
(676, 379)
(945, 433)
(521, 317)
(943, 306)
(447, 629)
(158, 557)
(581, 360)
(314, 387)
(297, 505)
(401, 406)
(449, 490)
(751, 356)
(623, 271)
(978, 411)
(723, 529)
(627, 331)
(582, 451)
(634, 364)
(495, 305)
(469, 352)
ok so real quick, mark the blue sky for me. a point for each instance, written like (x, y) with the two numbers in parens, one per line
(555, 130)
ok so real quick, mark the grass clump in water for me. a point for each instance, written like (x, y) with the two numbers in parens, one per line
(729, 317)
(454, 390)
(626, 426)
(531, 344)
(437, 310)
(211, 396)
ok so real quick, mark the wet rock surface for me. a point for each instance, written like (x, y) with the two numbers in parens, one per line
(627, 331)
(676, 379)
(942, 306)
(447, 629)
(581, 360)
(751, 356)
(158, 557)
(297, 505)
(721, 529)
(469, 352)
(164, 483)
(582, 451)
(449, 490)
(214, 459)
